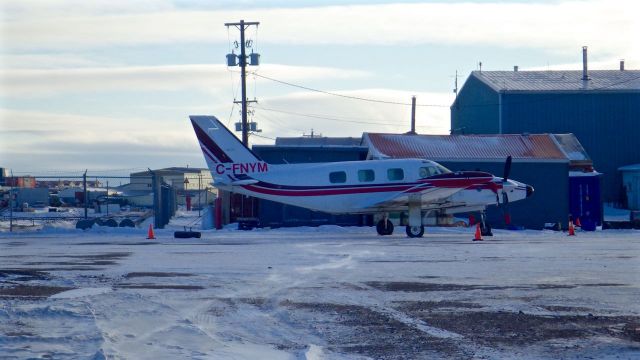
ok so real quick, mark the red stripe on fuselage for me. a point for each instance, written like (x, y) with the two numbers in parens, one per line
(408, 188)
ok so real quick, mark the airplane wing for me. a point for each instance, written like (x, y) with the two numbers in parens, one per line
(437, 192)
(428, 194)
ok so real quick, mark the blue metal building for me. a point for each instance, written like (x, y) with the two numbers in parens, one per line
(602, 109)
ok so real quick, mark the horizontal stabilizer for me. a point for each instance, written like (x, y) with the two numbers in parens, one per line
(220, 181)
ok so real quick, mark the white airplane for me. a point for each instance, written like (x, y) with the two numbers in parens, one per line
(353, 187)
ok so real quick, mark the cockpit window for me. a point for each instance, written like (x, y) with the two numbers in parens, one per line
(425, 172)
(442, 169)
(432, 170)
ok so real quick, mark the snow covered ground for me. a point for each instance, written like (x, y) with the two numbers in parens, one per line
(318, 293)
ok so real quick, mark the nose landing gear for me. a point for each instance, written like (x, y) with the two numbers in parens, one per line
(384, 227)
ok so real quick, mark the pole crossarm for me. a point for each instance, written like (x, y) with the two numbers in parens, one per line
(247, 101)
(246, 23)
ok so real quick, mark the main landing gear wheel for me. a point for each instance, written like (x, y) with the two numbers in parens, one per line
(415, 231)
(384, 229)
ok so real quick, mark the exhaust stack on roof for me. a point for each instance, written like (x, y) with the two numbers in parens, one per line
(515, 68)
(622, 65)
(585, 75)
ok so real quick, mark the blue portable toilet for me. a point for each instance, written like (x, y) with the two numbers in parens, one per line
(585, 198)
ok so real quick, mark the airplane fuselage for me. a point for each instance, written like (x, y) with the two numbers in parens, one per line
(359, 187)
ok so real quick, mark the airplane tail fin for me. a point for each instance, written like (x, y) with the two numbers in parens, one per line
(218, 144)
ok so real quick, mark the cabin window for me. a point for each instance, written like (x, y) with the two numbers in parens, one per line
(395, 174)
(338, 177)
(366, 175)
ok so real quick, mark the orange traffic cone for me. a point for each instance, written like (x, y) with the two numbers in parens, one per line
(578, 224)
(478, 236)
(572, 230)
(150, 234)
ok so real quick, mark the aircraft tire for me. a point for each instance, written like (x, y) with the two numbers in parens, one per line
(384, 230)
(486, 230)
(415, 231)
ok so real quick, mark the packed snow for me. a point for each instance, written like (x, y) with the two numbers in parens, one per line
(318, 293)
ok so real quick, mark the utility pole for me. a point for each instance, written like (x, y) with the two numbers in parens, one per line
(11, 203)
(107, 198)
(86, 197)
(199, 192)
(231, 61)
(155, 184)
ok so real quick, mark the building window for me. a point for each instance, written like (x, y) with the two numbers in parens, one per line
(366, 175)
(338, 177)
(395, 174)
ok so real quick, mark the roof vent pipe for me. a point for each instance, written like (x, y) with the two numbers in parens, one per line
(585, 75)
(515, 68)
(622, 65)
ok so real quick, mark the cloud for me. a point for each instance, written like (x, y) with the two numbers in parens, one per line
(32, 140)
(556, 26)
(201, 77)
(47, 61)
(44, 131)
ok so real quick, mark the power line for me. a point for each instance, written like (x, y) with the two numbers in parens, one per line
(342, 95)
(436, 105)
(330, 117)
(261, 136)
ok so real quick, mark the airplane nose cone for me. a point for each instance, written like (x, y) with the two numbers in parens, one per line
(529, 190)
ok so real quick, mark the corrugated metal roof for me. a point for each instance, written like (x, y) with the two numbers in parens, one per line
(318, 141)
(465, 147)
(601, 80)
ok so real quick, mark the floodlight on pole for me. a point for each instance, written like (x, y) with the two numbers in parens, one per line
(254, 60)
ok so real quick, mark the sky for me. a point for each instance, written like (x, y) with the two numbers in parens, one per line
(108, 85)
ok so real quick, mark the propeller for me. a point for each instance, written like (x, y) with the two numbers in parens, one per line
(507, 169)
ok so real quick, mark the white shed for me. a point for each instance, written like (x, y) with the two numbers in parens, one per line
(631, 183)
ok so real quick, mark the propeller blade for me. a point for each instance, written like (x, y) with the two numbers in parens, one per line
(507, 169)
(505, 208)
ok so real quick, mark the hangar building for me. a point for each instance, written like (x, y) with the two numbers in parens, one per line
(601, 107)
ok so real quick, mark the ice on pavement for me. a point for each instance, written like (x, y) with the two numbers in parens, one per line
(76, 293)
(318, 293)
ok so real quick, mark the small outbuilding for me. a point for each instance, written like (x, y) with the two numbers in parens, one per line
(631, 185)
